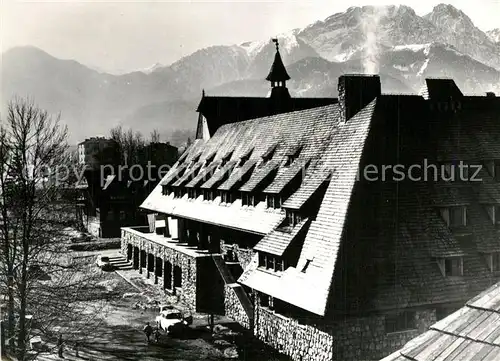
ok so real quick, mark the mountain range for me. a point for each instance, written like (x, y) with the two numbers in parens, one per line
(403, 47)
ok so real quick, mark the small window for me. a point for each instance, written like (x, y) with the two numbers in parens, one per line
(279, 265)
(270, 263)
(453, 266)
(495, 262)
(245, 199)
(264, 300)
(455, 216)
(270, 201)
(292, 155)
(402, 321)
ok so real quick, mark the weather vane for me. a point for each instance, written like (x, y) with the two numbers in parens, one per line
(275, 40)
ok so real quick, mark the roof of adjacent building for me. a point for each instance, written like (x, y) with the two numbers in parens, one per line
(357, 223)
(220, 110)
(471, 333)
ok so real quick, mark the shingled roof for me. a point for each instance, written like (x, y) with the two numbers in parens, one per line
(471, 333)
(358, 221)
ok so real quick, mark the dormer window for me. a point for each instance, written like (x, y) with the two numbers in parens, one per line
(271, 262)
(268, 154)
(226, 158)
(451, 266)
(293, 218)
(245, 157)
(455, 216)
(226, 197)
(208, 195)
(210, 159)
(192, 193)
(273, 201)
(292, 155)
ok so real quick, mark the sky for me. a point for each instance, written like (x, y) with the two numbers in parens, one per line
(120, 36)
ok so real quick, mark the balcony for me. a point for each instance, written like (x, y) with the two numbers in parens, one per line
(142, 233)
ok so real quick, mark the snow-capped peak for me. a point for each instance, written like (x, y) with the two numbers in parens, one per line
(151, 68)
(494, 35)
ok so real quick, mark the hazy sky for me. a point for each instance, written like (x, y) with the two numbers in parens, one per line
(119, 36)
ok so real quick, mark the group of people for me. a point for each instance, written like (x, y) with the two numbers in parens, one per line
(148, 331)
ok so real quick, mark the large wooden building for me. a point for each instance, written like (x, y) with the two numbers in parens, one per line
(338, 231)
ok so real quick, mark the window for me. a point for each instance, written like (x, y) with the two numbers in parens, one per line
(280, 265)
(208, 195)
(497, 214)
(402, 321)
(292, 156)
(123, 215)
(226, 158)
(264, 300)
(270, 262)
(497, 170)
(192, 193)
(245, 199)
(494, 262)
(451, 267)
(293, 218)
(273, 201)
(455, 216)
(226, 197)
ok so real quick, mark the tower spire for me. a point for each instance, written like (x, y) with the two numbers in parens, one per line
(278, 74)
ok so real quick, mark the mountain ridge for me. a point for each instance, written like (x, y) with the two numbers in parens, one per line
(392, 40)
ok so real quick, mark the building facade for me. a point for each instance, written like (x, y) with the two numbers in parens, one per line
(110, 193)
(336, 232)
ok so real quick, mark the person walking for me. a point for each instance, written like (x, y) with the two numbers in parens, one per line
(60, 346)
(148, 330)
(157, 334)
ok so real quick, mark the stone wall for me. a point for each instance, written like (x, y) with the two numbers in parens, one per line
(188, 265)
(299, 342)
(366, 339)
(355, 339)
(233, 307)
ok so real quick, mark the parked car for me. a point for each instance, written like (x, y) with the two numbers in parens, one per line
(172, 321)
(104, 263)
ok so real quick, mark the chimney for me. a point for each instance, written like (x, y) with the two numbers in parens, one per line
(490, 95)
(355, 92)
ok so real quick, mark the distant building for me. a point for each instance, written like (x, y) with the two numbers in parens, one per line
(335, 232)
(96, 151)
(110, 198)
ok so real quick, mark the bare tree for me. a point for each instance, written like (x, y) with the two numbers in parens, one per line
(38, 275)
(155, 136)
